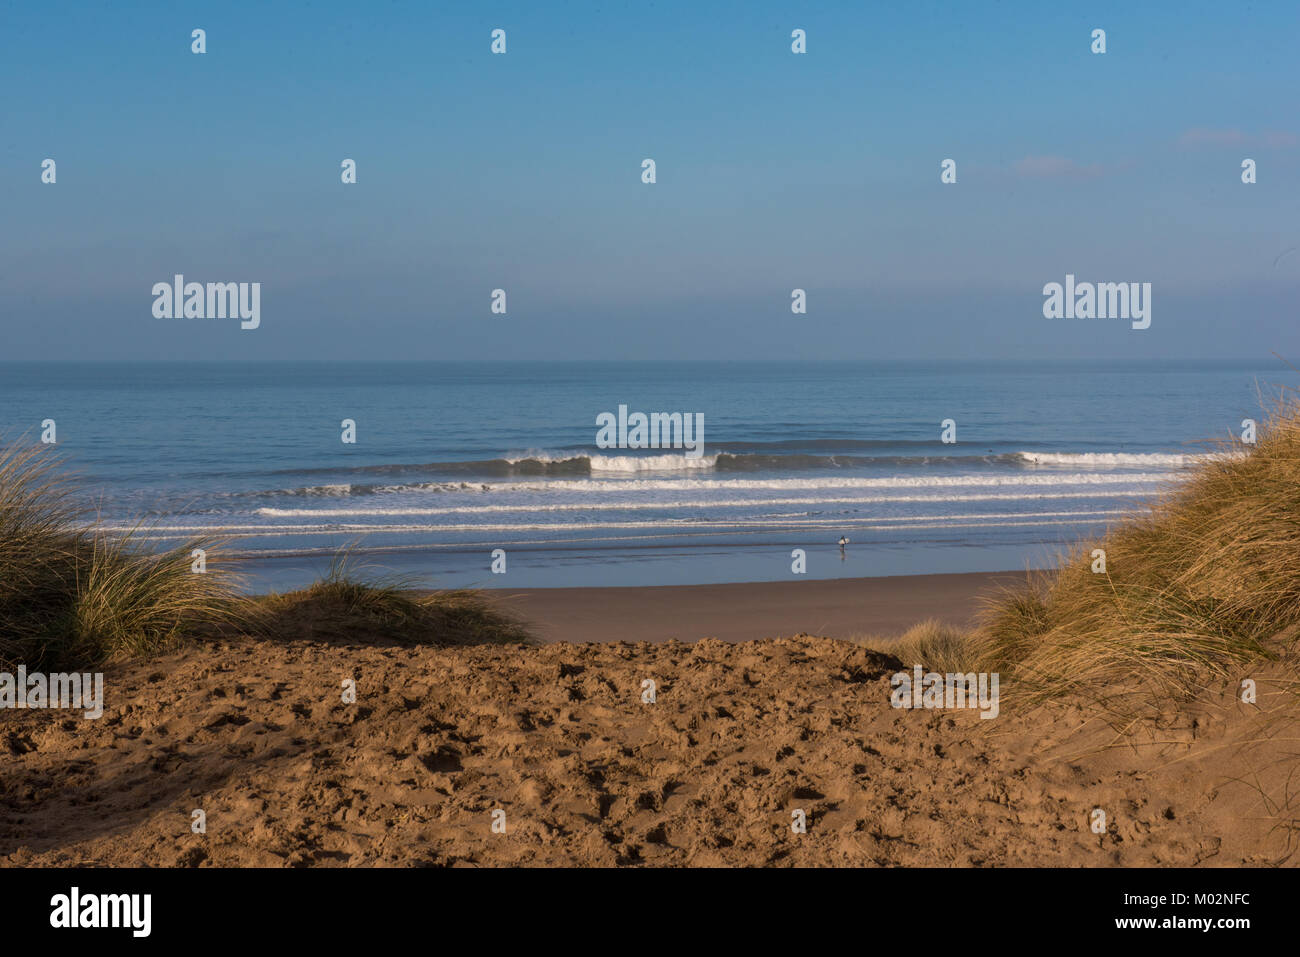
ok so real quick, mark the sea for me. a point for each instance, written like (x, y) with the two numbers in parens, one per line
(460, 466)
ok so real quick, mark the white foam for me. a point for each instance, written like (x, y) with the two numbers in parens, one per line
(1116, 459)
(614, 506)
(331, 491)
(1009, 480)
(618, 463)
(651, 463)
(670, 527)
(544, 456)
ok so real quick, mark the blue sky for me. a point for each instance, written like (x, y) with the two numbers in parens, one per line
(775, 171)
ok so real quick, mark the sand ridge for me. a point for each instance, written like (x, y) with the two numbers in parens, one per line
(558, 737)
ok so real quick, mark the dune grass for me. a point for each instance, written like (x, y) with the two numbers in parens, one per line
(933, 645)
(71, 597)
(355, 603)
(1197, 586)
(75, 597)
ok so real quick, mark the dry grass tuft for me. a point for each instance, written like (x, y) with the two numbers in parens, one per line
(352, 603)
(71, 597)
(1197, 586)
(74, 597)
(933, 645)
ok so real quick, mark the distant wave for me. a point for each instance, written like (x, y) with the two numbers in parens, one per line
(1116, 459)
(679, 505)
(1013, 480)
(667, 528)
(346, 490)
(579, 457)
(593, 463)
(1019, 479)
(669, 462)
(564, 463)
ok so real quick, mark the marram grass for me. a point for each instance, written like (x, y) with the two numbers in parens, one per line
(352, 603)
(1196, 587)
(73, 596)
(1199, 586)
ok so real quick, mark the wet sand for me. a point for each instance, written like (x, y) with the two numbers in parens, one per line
(836, 608)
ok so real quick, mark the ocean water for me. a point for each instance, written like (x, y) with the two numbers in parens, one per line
(454, 460)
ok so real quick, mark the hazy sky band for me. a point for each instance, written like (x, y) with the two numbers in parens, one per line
(775, 171)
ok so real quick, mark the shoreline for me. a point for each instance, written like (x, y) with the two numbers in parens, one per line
(833, 608)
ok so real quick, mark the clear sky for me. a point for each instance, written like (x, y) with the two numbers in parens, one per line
(523, 171)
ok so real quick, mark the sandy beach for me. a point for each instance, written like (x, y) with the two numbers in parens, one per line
(838, 608)
(558, 738)
(742, 735)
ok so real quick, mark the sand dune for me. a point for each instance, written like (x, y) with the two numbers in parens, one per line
(557, 736)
